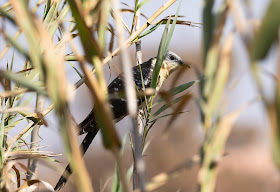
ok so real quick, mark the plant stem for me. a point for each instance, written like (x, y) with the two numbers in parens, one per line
(35, 139)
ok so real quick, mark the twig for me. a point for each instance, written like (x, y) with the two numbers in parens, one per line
(130, 91)
(35, 138)
(139, 164)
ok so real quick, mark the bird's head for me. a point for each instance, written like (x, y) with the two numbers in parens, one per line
(172, 61)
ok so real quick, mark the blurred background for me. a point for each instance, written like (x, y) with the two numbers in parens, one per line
(247, 164)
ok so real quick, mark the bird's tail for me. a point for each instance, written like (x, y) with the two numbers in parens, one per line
(67, 172)
(87, 125)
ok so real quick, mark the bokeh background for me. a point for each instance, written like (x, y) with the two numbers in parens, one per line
(247, 164)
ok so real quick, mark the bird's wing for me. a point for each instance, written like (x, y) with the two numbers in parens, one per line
(117, 97)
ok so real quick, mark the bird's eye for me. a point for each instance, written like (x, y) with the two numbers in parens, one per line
(172, 57)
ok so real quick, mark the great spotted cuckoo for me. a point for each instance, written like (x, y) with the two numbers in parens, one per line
(142, 79)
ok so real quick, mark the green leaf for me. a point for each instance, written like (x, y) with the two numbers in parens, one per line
(70, 58)
(149, 31)
(116, 183)
(77, 71)
(268, 32)
(164, 43)
(141, 4)
(160, 56)
(51, 12)
(211, 58)
(52, 28)
(172, 28)
(165, 106)
(105, 7)
(169, 114)
(12, 62)
(208, 24)
(129, 173)
(47, 8)
(90, 45)
(25, 82)
(177, 90)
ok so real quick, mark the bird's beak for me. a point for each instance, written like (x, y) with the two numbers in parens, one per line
(182, 63)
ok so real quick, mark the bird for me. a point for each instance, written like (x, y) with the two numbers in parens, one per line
(142, 78)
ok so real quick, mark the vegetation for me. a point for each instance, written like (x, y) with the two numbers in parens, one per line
(53, 41)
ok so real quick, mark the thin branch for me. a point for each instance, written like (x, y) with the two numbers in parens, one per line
(35, 138)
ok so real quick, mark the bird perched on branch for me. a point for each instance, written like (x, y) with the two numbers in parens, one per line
(118, 104)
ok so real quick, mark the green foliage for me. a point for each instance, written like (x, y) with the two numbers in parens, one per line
(44, 75)
(268, 31)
